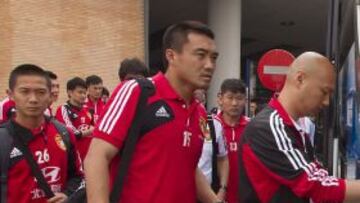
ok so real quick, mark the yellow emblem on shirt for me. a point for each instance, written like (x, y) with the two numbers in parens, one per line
(204, 127)
(60, 142)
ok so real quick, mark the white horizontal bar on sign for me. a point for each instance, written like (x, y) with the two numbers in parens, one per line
(276, 70)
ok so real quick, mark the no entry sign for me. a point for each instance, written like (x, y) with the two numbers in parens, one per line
(273, 67)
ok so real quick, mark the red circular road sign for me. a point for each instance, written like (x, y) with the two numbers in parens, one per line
(273, 67)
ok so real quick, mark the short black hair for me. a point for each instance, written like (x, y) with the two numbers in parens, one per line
(105, 91)
(255, 100)
(51, 75)
(27, 69)
(74, 83)
(233, 85)
(132, 66)
(176, 35)
(93, 80)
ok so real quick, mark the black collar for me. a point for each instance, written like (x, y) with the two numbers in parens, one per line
(73, 106)
(18, 130)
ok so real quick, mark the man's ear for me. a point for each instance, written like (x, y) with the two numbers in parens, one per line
(299, 78)
(9, 93)
(219, 99)
(170, 55)
(68, 93)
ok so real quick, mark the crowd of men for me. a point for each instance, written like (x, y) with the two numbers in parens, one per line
(182, 154)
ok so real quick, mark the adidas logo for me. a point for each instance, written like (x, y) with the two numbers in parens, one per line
(161, 112)
(15, 152)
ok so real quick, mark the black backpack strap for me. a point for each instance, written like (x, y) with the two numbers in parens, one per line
(147, 89)
(30, 159)
(73, 182)
(10, 112)
(215, 177)
(5, 148)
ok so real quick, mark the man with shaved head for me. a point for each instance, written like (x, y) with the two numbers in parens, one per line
(277, 162)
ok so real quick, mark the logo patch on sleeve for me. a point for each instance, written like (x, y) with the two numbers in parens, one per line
(60, 142)
(204, 127)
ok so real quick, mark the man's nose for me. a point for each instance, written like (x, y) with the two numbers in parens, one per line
(235, 101)
(33, 97)
(210, 63)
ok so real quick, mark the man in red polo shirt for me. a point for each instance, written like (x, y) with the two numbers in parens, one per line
(93, 102)
(165, 159)
(29, 88)
(232, 100)
(277, 161)
(75, 116)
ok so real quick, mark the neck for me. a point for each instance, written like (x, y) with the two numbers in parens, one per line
(29, 122)
(184, 90)
(287, 103)
(231, 120)
(93, 99)
(74, 103)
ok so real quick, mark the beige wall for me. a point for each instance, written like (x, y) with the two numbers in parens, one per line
(70, 38)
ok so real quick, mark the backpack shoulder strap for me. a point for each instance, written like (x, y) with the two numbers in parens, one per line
(215, 152)
(5, 147)
(210, 121)
(147, 89)
(73, 180)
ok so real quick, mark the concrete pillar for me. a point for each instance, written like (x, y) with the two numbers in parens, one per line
(225, 21)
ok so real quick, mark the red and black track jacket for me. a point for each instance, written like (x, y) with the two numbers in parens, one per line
(277, 163)
(76, 118)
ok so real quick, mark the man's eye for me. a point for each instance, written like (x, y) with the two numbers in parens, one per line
(214, 58)
(200, 55)
(24, 91)
(40, 92)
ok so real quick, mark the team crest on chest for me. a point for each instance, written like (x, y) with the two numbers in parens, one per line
(204, 127)
(60, 142)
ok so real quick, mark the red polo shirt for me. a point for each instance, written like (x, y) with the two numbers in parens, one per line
(6, 106)
(232, 136)
(96, 108)
(76, 119)
(49, 151)
(165, 158)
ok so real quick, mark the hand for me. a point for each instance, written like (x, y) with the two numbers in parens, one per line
(58, 198)
(91, 128)
(87, 131)
(221, 194)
